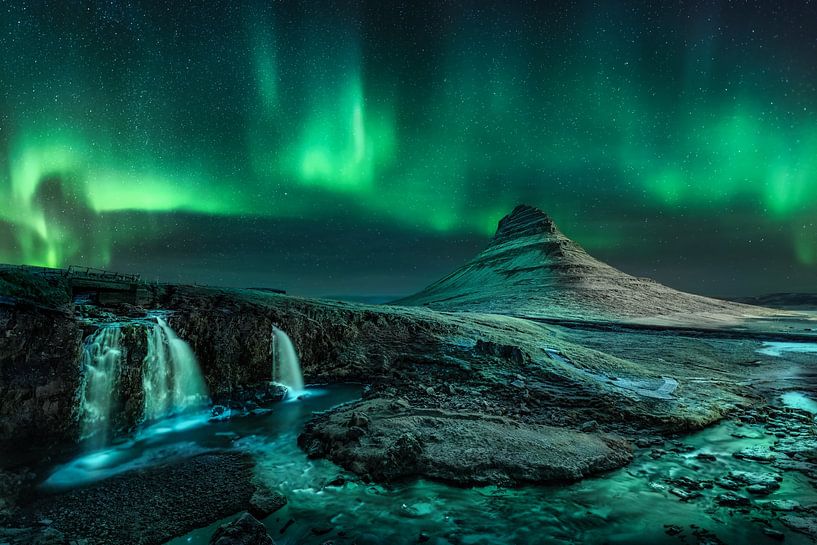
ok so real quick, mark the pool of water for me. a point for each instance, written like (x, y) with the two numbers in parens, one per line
(777, 349)
(190, 434)
(800, 400)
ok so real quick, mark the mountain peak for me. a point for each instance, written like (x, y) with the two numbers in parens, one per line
(525, 221)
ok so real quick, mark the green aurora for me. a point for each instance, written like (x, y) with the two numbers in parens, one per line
(435, 119)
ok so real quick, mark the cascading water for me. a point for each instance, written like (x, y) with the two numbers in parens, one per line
(100, 362)
(171, 376)
(286, 367)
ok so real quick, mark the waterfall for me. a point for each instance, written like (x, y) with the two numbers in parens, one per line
(100, 362)
(171, 377)
(286, 368)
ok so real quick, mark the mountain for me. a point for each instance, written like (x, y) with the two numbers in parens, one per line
(532, 269)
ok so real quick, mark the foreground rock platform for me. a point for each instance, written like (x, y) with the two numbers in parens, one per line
(387, 440)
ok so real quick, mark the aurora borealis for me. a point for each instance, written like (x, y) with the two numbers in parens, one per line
(368, 147)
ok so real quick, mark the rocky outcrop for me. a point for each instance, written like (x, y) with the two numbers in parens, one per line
(531, 269)
(388, 440)
(39, 374)
(245, 530)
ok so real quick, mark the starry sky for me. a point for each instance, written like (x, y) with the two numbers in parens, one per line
(370, 147)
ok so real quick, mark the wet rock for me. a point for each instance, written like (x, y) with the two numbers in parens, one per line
(757, 454)
(657, 453)
(762, 489)
(749, 478)
(423, 537)
(732, 500)
(685, 495)
(687, 483)
(672, 529)
(340, 480)
(777, 535)
(245, 530)
(266, 501)
(706, 457)
(783, 505)
(805, 524)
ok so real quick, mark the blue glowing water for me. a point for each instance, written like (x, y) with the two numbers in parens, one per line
(777, 349)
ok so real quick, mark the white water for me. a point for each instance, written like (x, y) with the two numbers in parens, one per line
(286, 367)
(100, 362)
(171, 377)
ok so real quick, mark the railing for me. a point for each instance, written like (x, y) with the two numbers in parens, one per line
(101, 274)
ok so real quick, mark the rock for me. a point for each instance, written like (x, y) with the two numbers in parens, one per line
(762, 489)
(504, 351)
(804, 524)
(783, 505)
(340, 480)
(590, 425)
(774, 534)
(686, 483)
(749, 478)
(423, 537)
(705, 457)
(732, 500)
(728, 484)
(685, 495)
(672, 529)
(245, 530)
(430, 391)
(757, 454)
(460, 447)
(359, 420)
(266, 501)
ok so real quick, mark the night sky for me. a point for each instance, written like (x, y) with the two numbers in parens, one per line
(371, 147)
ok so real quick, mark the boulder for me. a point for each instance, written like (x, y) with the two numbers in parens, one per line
(245, 530)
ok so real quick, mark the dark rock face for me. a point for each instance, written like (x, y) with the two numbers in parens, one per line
(525, 221)
(245, 530)
(39, 374)
(462, 448)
